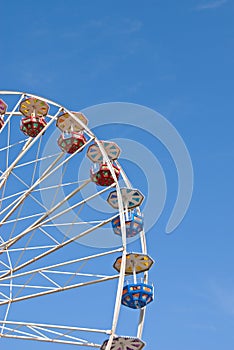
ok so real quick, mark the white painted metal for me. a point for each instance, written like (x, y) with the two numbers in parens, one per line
(34, 331)
(144, 251)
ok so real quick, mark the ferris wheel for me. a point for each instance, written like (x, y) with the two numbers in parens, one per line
(53, 289)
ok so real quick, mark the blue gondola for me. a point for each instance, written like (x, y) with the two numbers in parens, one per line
(137, 295)
(134, 224)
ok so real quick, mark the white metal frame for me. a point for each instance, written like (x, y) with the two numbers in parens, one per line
(43, 332)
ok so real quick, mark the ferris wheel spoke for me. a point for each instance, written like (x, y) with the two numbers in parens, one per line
(60, 289)
(5, 265)
(18, 201)
(18, 195)
(50, 333)
(13, 250)
(51, 326)
(59, 280)
(28, 286)
(29, 247)
(48, 172)
(40, 335)
(57, 334)
(53, 286)
(50, 268)
(11, 146)
(62, 185)
(22, 218)
(8, 171)
(87, 199)
(4, 296)
(50, 280)
(36, 330)
(59, 246)
(78, 343)
(51, 238)
(39, 221)
(37, 160)
(73, 223)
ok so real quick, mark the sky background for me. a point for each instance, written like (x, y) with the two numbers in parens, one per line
(175, 57)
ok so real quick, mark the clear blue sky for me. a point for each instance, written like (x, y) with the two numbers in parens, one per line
(175, 57)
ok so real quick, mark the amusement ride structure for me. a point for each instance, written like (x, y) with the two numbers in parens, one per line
(43, 217)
